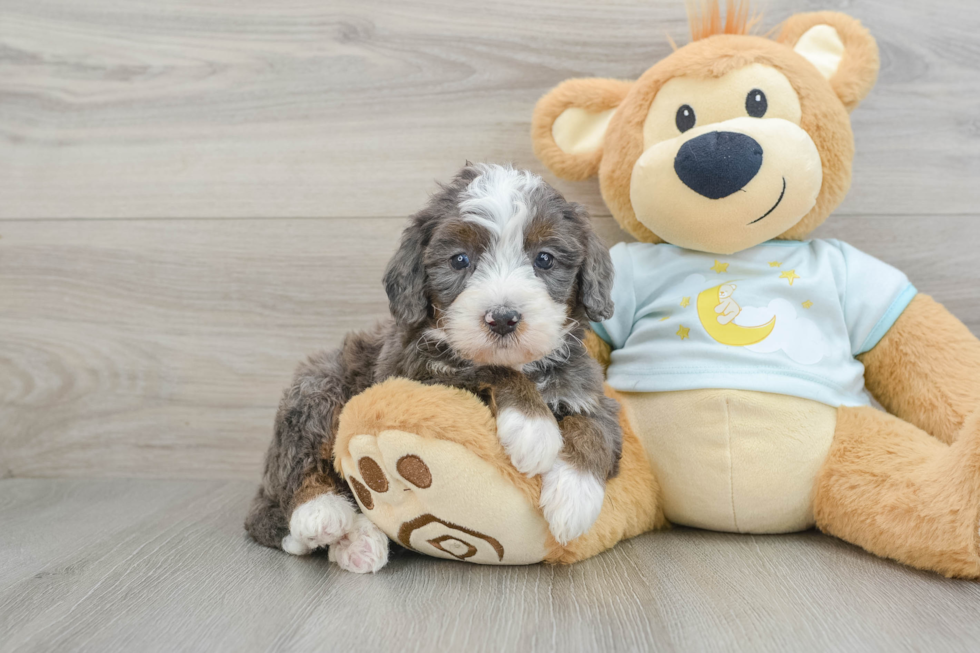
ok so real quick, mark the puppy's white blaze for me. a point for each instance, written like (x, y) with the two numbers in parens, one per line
(497, 201)
(532, 443)
(364, 550)
(571, 501)
(496, 197)
(319, 522)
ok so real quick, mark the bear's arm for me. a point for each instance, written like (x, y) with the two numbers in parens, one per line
(926, 369)
(598, 349)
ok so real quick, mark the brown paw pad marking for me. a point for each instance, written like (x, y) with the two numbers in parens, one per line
(442, 542)
(362, 493)
(454, 546)
(373, 475)
(415, 471)
(412, 468)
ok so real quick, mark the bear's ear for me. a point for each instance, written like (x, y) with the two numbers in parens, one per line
(839, 47)
(569, 124)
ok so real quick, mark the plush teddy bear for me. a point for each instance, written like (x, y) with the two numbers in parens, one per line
(744, 355)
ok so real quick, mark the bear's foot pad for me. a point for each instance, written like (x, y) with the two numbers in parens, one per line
(439, 498)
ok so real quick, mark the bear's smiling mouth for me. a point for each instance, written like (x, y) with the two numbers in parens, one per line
(774, 205)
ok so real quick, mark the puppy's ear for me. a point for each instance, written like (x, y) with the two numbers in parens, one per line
(595, 277)
(405, 278)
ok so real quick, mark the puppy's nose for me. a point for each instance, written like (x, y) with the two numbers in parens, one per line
(503, 320)
(718, 164)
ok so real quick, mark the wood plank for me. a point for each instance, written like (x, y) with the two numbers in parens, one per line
(164, 566)
(159, 348)
(177, 108)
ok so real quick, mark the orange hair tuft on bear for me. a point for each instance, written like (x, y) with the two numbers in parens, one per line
(704, 18)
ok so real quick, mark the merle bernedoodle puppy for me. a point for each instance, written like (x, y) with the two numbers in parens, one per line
(490, 290)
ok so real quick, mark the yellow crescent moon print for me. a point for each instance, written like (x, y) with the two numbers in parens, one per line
(731, 333)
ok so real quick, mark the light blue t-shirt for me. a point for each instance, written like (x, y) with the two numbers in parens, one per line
(786, 317)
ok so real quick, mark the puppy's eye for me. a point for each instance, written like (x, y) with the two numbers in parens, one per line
(460, 261)
(756, 103)
(544, 260)
(685, 118)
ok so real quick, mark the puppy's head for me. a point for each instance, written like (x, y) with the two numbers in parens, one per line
(500, 266)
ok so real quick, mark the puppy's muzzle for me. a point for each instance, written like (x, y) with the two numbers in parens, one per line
(502, 320)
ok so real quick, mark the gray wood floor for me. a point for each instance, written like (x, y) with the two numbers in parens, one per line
(107, 565)
(193, 195)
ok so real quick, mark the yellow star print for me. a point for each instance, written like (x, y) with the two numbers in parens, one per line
(775, 264)
(719, 267)
(685, 302)
(665, 317)
(683, 331)
(807, 304)
(789, 274)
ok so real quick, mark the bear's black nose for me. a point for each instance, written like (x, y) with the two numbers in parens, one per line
(718, 164)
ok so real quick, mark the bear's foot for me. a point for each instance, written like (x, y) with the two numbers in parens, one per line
(439, 498)
(898, 492)
(426, 466)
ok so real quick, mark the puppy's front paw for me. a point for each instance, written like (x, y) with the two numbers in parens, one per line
(363, 550)
(532, 443)
(321, 521)
(571, 501)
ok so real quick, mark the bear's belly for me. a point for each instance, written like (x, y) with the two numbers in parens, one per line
(734, 460)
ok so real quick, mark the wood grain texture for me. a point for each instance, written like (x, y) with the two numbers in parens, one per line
(137, 342)
(195, 194)
(165, 566)
(181, 108)
(159, 348)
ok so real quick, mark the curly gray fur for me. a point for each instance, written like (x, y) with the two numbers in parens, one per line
(419, 286)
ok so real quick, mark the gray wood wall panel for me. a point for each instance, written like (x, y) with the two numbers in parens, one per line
(177, 108)
(141, 337)
(159, 348)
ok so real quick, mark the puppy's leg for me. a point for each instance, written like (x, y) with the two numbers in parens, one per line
(323, 512)
(573, 490)
(526, 426)
(266, 521)
(302, 503)
(364, 549)
(330, 518)
(295, 469)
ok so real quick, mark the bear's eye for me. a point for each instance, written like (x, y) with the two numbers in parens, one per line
(756, 103)
(685, 118)
(459, 261)
(544, 260)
